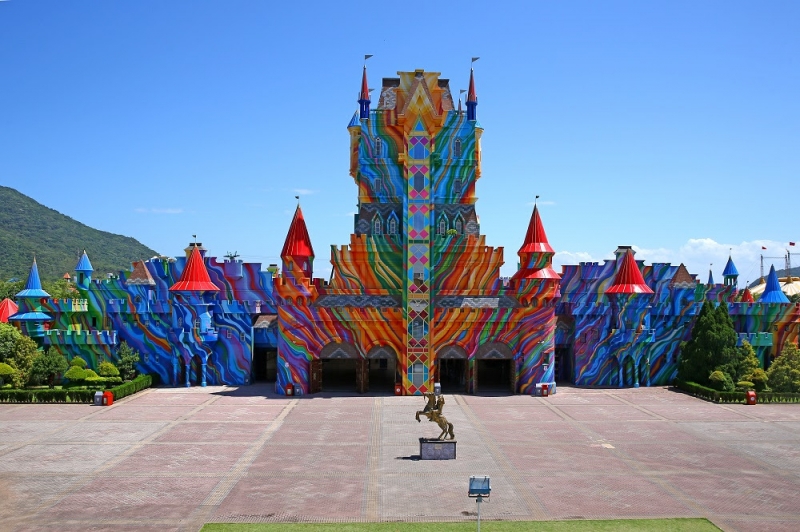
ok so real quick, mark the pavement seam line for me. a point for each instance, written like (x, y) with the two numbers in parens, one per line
(535, 507)
(372, 492)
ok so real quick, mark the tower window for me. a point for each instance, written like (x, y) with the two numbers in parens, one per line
(378, 146)
(457, 149)
(377, 226)
(457, 187)
(442, 229)
(459, 226)
(392, 226)
(378, 183)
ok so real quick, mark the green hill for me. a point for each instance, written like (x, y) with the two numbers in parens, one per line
(28, 228)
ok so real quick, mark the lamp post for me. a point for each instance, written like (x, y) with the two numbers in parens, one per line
(479, 487)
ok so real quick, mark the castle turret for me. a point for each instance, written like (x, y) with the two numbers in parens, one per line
(710, 278)
(363, 100)
(29, 314)
(535, 259)
(472, 98)
(84, 270)
(772, 292)
(730, 274)
(298, 254)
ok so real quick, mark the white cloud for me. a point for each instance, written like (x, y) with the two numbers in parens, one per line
(158, 210)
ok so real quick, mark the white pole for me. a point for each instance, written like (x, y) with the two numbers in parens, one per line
(479, 500)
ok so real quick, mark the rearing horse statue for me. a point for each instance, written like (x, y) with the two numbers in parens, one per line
(433, 411)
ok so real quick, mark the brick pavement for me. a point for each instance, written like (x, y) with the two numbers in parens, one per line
(173, 459)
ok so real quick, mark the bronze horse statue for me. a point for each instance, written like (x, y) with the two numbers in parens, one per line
(433, 411)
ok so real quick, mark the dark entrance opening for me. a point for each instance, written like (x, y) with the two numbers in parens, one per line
(265, 364)
(494, 376)
(382, 374)
(563, 362)
(453, 375)
(628, 372)
(339, 375)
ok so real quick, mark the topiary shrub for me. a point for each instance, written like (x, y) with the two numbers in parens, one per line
(720, 381)
(107, 369)
(6, 373)
(78, 361)
(760, 379)
(744, 386)
(76, 374)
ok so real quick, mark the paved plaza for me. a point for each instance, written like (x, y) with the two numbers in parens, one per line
(173, 459)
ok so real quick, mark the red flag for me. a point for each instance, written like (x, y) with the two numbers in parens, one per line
(762, 247)
(791, 243)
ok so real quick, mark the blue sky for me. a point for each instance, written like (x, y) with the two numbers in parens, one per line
(671, 126)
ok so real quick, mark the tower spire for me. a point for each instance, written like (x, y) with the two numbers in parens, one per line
(472, 97)
(363, 97)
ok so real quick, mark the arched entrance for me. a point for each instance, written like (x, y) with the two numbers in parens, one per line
(494, 369)
(381, 374)
(451, 368)
(338, 369)
(628, 372)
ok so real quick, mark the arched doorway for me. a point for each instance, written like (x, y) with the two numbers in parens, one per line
(494, 371)
(628, 372)
(339, 363)
(381, 374)
(451, 368)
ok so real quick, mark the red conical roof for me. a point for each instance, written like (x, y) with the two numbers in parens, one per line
(298, 243)
(7, 308)
(629, 279)
(747, 297)
(535, 239)
(195, 276)
(364, 86)
(471, 96)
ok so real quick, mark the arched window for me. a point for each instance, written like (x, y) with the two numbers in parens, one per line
(457, 187)
(442, 229)
(378, 184)
(378, 147)
(377, 226)
(392, 225)
(459, 226)
(457, 149)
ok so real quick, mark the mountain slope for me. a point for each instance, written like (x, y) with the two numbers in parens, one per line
(28, 228)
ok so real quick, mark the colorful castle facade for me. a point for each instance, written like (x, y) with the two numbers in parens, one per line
(415, 298)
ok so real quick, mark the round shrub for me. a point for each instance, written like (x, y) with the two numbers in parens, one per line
(90, 373)
(745, 386)
(75, 374)
(107, 369)
(6, 373)
(78, 361)
(721, 381)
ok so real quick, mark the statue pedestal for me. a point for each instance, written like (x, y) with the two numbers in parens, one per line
(433, 449)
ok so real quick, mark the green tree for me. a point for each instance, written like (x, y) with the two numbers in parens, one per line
(47, 366)
(748, 362)
(75, 374)
(128, 358)
(784, 373)
(61, 289)
(712, 346)
(78, 361)
(18, 351)
(6, 373)
(8, 289)
(107, 369)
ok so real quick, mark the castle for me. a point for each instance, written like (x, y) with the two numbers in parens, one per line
(415, 298)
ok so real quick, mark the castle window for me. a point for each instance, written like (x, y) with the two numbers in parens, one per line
(228, 333)
(442, 229)
(242, 337)
(378, 146)
(459, 226)
(417, 329)
(457, 149)
(392, 226)
(377, 226)
(197, 324)
(457, 187)
(378, 184)
(289, 265)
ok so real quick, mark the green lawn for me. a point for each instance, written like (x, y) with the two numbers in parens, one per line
(616, 525)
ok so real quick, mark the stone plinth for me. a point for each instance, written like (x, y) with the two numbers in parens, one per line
(433, 449)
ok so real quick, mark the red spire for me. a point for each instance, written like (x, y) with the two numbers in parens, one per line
(364, 86)
(747, 297)
(7, 308)
(471, 96)
(535, 239)
(195, 276)
(629, 279)
(298, 243)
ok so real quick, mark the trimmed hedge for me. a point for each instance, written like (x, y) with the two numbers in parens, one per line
(131, 387)
(67, 395)
(47, 396)
(734, 397)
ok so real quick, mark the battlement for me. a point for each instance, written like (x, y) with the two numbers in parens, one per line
(65, 305)
(80, 337)
(761, 339)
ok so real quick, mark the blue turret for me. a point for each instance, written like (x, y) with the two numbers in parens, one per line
(472, 98)
(84, 270)
(730, 274)
(710, 278)
(29, 299)
(363, 100)
(772, 292)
